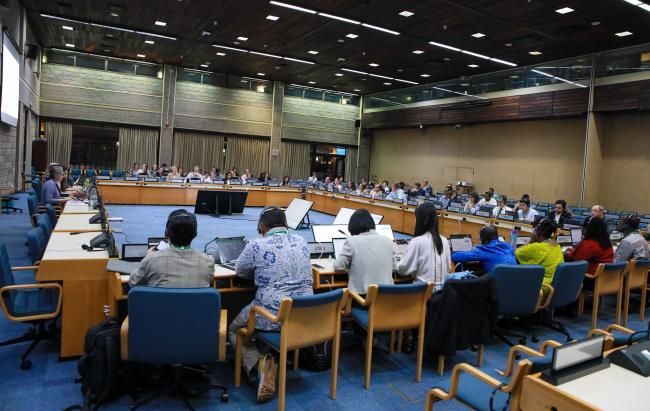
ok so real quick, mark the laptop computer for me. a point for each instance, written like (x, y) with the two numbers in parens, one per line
(461, 242)
(229, 250)
(338, 246)
(154, 241)
(134, 252)
(521, 241)
(564, 240)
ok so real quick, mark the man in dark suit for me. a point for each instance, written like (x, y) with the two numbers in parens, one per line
(560, 213)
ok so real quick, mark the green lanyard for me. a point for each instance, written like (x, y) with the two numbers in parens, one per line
(183, 247)
(275, 231)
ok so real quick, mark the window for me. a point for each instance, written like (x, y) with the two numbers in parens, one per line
(91, 62)
(293, 91)
(214, 78)
(94, 144)
(146, 70)
(58, 57)
(121, 66)
(333, 97)
(313, 94)
(186, 75)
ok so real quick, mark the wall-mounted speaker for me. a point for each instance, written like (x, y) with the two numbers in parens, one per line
(31, 51)
(357, 123)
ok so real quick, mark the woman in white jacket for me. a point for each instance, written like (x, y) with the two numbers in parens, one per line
(428, 256)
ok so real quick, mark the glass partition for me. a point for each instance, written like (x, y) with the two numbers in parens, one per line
(631, 60)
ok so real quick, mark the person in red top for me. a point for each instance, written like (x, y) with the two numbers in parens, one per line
(595, 247)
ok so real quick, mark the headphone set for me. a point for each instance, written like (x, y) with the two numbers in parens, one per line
(266, 210)
(176, 217)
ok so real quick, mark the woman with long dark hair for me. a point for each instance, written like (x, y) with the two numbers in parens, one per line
(595, 247)
(427, 257)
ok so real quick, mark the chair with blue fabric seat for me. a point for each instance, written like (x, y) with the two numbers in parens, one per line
(75, 173)
(117, 174)
(474, 387)
(304, 321)
(567, 284)
(36, 243)
(105, 173)
(51, 213)
(33, 208)
(38, 187)
(90, 173)
(608, 280)
(44, 222)
(636, 279)
(35, 304)
(619, 336)
(540, 359)
(519, 291)
(392, 308)
(175, 326)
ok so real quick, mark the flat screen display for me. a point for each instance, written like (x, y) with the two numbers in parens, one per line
(10, 82)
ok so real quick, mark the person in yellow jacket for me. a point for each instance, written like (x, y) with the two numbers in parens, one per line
(542, 250)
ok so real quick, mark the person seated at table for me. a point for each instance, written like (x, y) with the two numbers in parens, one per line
(396, 193)
(246, 176)
(144, 171)
(490, 253)
(182, 172)
(195, 174)
(377, 192)
(313, 179)
(215, 174)
(133, 171)
(633, 245)
(417, 190)
(286, 181)
(428, 190)
(228, 178)
(351, 187)
(278, 262)
(427, 257)
(337, 186)
(51, 193)
(264, 176)
(598, 211)
(177, 266)
(385, 186)
(595, 247)
(361, 189)
(523, 197)
(542, 250)
(502, 206)
(445, 199)
(526, 213)
(487, 200)
(366, 255)
(560, 213)
(173, 173)
(472, 204)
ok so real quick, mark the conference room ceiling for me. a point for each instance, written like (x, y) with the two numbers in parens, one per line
(511, 28)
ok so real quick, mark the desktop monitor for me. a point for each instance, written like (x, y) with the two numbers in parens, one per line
(461, 242)
(564, 240)
(576, 236)
(521, 241)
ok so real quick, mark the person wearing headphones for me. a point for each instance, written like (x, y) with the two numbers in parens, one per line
(279, 264)
(633, 245)
(177, 266)
(489, 253)
(542, 250)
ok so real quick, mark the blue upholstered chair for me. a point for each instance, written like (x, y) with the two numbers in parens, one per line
(518, 289)
(608, 280)
(36, 242)
(618, 336)
(38, 187)
(567, 283)
(90, 173)
(35, 304)
(540, 359)
(75, 173)
(636, 279)
(304, 321)
(105, 173)
(117, 174)
(51, 213)
(177, 327)
(474, 387)
(392, 308)
(32, 207)
(44, 222)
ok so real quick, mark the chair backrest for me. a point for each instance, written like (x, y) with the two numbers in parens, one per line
(567, 283)
(400, 306)
(117, 174)
(105, 173)
(609, 278)
(90, 173)
(38, 186)
(51, 213)
(518, 288)
(311, 319)
(43, 221)
(36, 243)
(75, 172)
(637, 275)
(174, 325)
(32, 204)
(6, 276)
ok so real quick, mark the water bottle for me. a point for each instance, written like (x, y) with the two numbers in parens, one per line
(513, 238)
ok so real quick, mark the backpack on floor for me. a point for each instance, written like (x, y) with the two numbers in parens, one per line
(316, 357)
(101, 369)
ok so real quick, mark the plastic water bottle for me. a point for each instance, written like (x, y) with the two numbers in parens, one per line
(513, 238)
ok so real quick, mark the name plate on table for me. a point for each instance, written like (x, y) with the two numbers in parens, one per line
(103, 177)
(483, 214)
(506, 217)
(454, 209)
(130, 178)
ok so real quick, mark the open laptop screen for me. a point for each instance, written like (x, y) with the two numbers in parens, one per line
(134, 252)
(461, 242)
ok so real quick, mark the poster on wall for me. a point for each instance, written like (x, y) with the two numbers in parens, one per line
(10, 82)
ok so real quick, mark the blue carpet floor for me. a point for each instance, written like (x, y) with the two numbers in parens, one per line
(49, 385)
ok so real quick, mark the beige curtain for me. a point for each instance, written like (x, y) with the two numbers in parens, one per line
(192, 149)
(294, 160)
(59, 142)
(137, 145)
(251, 153)
(351, 163)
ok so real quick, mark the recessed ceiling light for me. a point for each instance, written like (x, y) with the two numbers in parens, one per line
(418, 51)
(221, 54)
(406, 13)
(624, 33)
(534, 53)
(400, 70)
(508, 44)
(351, 36)
(373, 65)
(312, 52)
(141, 56)
(204, 65)
(339, 74)
(478, 35)
(311, 82)
(235, 42)
(261, 74)
(69, 45)
(149, 41)
(160, 23)
(472, 65)
(272, 17)
(425, 75)
(356, 89)
(387, 84)
(242, 38)
(115, 14)
(595, 23)
(446, 59)
(67, 27)
(564, 10)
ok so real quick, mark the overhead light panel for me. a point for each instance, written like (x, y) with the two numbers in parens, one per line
(69, 45)
(478, 35)
(472, 65)
(634, 2)
(272, 17)
(261, 74)
(141, 56)
(471, 53)
(160, 23)
(624, 33)
(418, 51)
(354, 71)
(204, 65)
(380, 76)
(275, 56)
(242, 38)
(373, 65)
(406, 13)
(444, 46)
(534, 53)
(507, 63)
(425, 75)
(339, 74)
(405, 81)
(387, 83)
(299, 60)
(230, 48)
(67, 28)
(564, 10)
(291, 6)
(385, 30)
(312, 52)
(351, 36)
(106, 26)
(220, 54)
(311, 82)
(113, 14)
(149, 42)
(332, 16)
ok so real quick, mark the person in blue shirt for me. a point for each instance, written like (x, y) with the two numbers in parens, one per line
(51, 193)
(445, 199)
(490, 253)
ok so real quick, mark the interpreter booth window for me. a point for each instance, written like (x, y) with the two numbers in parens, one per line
(327, 161)
(94, 145)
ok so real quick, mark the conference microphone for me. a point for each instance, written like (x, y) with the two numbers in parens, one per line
(91, 249)
(344, 233)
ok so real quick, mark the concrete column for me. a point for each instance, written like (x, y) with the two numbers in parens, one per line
(276, 130)
(167, 116)
(592, 161)
(363, 154)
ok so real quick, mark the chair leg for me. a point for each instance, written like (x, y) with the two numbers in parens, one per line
(282, 380)
(644, 291)
(296, 355)
(581, 304)
(594, 312)
(369, 339)
(619, 303)
(391, 343)
(479, 355)
(420, 356)
(335, 366)
(441, 364)
(626, 306)
(400, 338)
(238, 360)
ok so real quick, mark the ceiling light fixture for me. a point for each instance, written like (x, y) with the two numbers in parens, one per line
(311, 82)
(331, 16)
(299, 60)
(387, 84)
(291, 6)
(472, 65)
(624, 33)
(373, 65)
(160, 23)
(564, 10)
(339, 74)
(478, 35)
(149, 42)
(261, 74)
(48, 16)
(141, 56)
(272, 17)
(204, 65)
(534, 53)
(507, 63)
(275, 56)
(371, 26)
(417, 51)
(230, 48)
(634, 2)
(380, 76)
(425, 75)
(406, 13)
(69, 45)
(67, 28)
(242, 38)
(113, 14)
(354, 71)
(471, 53)
(312, 52)
(405, 81)
(220, 54)
(444, 46)
(351, 36)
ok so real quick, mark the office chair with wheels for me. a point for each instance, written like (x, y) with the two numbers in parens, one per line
(8, 199)
(636, 278)
(567, 284)
(35, 304)
(608, 280)
(178, 327)
(304, 321)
